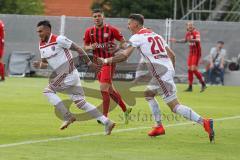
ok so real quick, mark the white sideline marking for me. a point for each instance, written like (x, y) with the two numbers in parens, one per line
(101, 133)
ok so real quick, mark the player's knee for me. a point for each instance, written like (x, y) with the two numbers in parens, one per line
(149, 95)
(172, 105)
(80, 102)
(51, 96)
(75, 97)
(47, 92)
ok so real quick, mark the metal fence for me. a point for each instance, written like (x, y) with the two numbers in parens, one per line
(211, 32)
(21, 34)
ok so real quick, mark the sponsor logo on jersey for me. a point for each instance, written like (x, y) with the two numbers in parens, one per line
(105, 45)
(105, 35)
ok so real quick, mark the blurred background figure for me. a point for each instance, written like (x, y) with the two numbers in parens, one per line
(1, 51)
(192, 37)
(216, 60)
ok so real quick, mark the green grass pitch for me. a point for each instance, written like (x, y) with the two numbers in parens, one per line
(29, 128)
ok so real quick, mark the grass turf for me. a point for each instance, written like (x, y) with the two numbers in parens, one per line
(27, 116)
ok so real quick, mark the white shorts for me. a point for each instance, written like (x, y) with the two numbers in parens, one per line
(164, 85)
(70, 85)
(72, 79)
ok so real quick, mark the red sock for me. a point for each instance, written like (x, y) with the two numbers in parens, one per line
(2, 70)
(106, 102)
(118, 99)
(199, 76)
(190, 77)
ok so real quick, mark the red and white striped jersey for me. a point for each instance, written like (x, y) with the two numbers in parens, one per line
(56, 52)
(103, 37)
(152, 48)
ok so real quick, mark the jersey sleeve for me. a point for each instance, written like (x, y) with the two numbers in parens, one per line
(86, 37)
(64, 42)
(135, 41)
(117, 34)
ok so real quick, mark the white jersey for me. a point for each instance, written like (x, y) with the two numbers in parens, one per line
(56, 52)
(152, 48)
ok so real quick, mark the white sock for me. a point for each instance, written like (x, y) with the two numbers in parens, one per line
(63, 110)
(94, 112)
(59, 105)
(155, 110)
(188, 113)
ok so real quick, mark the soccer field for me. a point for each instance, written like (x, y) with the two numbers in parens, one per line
(30, 129)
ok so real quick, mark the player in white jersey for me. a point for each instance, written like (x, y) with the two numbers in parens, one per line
(161, 63)
(55, 53)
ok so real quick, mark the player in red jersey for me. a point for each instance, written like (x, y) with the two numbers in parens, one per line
(1, 50)
(100, 39)
(193, 38)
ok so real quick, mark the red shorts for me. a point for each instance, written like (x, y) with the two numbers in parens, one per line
(106, 74)
(193, 59)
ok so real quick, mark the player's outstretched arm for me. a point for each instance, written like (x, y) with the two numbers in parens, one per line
(120, 57)
(90, 47)
(85, 57)
(174, 40)
(81, 52)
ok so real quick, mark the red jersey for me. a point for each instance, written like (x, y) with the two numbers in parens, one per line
(104, 37)
(1, 38)
(194, 47)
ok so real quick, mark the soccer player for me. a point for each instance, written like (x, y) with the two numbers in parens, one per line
(161, 62)
(1, 51)
(100, 40)
(193, 38)
(55, 52)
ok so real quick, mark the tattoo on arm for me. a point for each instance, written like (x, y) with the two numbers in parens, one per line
(122, 56)
(123, 44)
(88, 47)
(81, 52)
